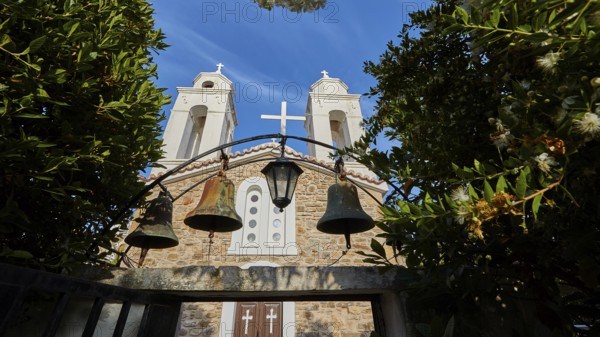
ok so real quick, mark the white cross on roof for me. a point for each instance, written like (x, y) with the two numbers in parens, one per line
(283, 117)
(219, 66)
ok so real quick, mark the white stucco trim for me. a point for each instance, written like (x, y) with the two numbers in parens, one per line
(226, 328)
(289, 247)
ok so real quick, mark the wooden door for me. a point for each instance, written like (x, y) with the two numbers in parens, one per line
(258, 319)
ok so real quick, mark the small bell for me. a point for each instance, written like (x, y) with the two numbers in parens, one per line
(343, 214)
(216, 210)
(155, 229)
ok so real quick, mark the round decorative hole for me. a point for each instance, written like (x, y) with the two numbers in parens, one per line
(276, 223)
(276, 237)
(276, 210)
(252, 223)
(251, 237)
(254, 198)
(253, 210)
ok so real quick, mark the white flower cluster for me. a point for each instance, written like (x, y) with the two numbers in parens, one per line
(548, 62)
(588, 125)
(461, 195)
(545, 162)
(501, 137)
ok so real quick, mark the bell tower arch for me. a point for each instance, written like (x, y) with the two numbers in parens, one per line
(333, 116)
(203, 117)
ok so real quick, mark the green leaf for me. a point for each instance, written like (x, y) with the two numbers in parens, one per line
(449, 331)
(537, 37)
(42, 93)
(20, 254)
(501, 185)
(478, 167)
(495, 17)
(414, 209)
(404, 207)
(488, 192)
(452, 28)
(472, 192)
(54, 164)
(462, 14)
(551, 17)
(4, 40)
(73, 29)
(37, 43)
(28, 115)
(521, 187)
(540, 20)
(535, 206)
(378, 248)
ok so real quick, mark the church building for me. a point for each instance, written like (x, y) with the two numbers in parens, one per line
(204, 117)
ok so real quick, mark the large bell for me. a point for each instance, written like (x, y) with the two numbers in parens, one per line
(344, 215)
(215, 211)
(155, 229)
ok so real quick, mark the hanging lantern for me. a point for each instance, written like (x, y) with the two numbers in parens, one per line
(216, 210)
(343, 214)
(282, 176)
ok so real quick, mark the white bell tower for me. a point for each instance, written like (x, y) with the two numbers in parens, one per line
(203, 117)
(333, 116)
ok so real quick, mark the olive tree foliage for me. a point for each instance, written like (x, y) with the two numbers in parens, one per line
(496, 107)
(79, 119)
(293, 5)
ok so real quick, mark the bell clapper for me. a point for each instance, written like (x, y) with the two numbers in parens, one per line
(143, 256)
(211, 235)
(347, 236)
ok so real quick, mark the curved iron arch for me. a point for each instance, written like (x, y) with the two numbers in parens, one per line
(282, 142)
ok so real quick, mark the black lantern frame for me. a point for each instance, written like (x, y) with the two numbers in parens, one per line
(282, 177)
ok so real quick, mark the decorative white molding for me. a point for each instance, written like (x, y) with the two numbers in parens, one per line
(263, 247)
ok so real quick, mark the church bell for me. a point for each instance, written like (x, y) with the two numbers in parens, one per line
(343, 214)
(155, 229)
(216, 210)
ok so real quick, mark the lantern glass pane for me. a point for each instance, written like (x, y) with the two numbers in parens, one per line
(281, 183)
(270, 181)
(293, 179)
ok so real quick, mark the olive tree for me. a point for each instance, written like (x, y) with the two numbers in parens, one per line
(79, 118)
(494, 107)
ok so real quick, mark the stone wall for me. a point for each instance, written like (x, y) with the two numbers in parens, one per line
(200, 319)
(315, 248)
(333, 319)
(342, 319)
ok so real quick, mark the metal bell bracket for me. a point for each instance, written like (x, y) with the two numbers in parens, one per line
(282, 145)
(339, 169)
(224, 163)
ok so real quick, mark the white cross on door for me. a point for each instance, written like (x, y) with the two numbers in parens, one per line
(270, 318)
(247, 318)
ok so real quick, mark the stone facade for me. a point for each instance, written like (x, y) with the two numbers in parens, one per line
(335, 319)
(204, 117)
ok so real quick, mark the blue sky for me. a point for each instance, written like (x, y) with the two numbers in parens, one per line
(274, 56)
